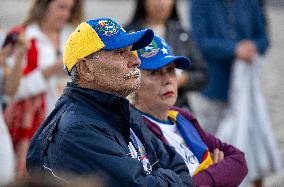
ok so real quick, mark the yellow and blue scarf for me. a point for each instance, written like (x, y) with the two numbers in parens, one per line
(192, 139)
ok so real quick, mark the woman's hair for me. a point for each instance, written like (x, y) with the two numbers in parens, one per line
(140, 12)
(39, 8)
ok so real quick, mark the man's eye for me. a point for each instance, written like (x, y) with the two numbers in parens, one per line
(154, 73)
(121, 52)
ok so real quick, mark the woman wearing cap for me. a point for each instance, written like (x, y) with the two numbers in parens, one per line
(210, 161)
(162, 17)
(47, 26)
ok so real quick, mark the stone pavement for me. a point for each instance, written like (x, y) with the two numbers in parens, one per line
(13, 11)
(273, 83)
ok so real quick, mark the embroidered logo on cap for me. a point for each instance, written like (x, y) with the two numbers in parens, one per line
(107, 27)
(150, 50)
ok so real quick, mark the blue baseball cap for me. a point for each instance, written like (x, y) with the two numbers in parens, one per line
(158, 54)
(103, 33)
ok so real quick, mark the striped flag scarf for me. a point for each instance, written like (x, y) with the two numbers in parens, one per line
(192, 139)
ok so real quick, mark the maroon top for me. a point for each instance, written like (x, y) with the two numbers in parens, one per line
(228, 172)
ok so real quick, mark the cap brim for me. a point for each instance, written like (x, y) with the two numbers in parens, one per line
(180, 63)
(137, 39)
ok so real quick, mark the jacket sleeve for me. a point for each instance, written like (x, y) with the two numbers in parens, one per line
(101, 153)
(260, 36)
(168, 158)
(230, 171)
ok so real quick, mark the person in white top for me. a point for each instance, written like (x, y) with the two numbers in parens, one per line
(47, 27)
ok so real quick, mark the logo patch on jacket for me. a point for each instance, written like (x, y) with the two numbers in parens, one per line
(137, 151)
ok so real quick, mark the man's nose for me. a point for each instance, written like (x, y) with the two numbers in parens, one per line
(134, 61)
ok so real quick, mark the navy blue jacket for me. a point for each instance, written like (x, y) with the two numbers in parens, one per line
(88, 133)
(217, 27)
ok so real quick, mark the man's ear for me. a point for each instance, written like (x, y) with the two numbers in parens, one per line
(84, 70)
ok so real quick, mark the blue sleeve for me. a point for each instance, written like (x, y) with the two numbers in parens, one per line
(260, 36)
(216, 48)
(100, 153)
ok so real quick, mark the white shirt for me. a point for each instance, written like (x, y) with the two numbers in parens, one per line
(175, 139)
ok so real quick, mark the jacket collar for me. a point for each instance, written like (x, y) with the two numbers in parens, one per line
(108, 104)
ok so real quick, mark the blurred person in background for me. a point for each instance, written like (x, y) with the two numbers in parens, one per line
(47, 26)
(232, 36)
(227, 31)
(155, 99)
(162, 17)
(9, 82)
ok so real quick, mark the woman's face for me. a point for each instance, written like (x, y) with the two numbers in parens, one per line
(158, 89)
(159, 9)
(58, 12)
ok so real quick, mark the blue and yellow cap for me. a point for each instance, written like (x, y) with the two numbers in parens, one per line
(103, 33)
(158, 54)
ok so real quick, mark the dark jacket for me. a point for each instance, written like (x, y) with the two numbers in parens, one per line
(217, 27)
(88, 133)
(229, 172)
(182, 44)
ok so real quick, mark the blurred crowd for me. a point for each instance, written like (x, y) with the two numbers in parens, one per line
(223, 32)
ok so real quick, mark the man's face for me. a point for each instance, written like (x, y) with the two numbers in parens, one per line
(116, 71)
(158, 88)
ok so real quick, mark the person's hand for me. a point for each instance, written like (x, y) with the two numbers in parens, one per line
(245, 50)
(217, 155)
(4, 53)
(13, 74)
(21, 46)
(20, 49)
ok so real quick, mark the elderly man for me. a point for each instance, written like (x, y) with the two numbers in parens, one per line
(226, 166)
(90, 132)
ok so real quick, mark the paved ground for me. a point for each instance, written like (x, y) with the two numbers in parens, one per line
(13, 12)
(273, 83)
